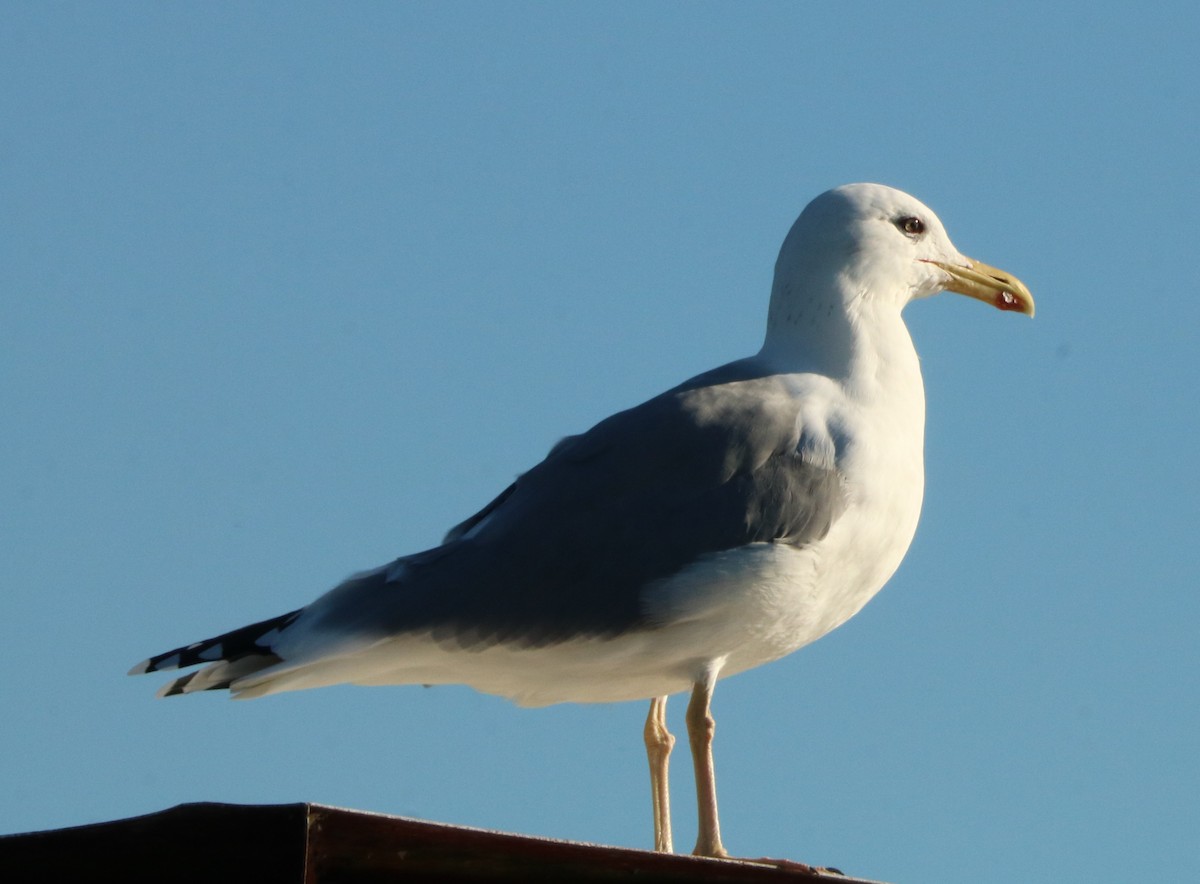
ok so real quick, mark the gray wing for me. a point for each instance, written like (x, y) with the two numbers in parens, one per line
(568, 548)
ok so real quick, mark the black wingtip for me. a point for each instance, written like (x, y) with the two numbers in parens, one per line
(241, 642)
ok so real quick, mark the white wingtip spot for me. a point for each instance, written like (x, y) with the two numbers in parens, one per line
(171, 662)
(141, 669)
(216, 652)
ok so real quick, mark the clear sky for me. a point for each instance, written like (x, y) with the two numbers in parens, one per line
(288, 289)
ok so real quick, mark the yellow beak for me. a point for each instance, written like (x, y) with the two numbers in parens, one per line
(990, 284)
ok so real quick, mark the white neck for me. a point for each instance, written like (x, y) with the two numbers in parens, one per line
(846, 335)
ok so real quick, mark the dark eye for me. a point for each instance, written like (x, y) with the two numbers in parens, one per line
(911, 225)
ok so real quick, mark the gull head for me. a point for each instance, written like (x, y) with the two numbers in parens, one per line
(867, 248)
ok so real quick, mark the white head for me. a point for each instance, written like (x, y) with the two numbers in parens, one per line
(869, 249)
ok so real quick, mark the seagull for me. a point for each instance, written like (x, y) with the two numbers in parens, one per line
(718, 526)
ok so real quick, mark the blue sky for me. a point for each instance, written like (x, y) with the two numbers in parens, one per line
(288, 289)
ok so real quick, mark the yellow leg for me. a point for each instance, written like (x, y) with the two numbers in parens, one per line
(659, 743)
(701, 727)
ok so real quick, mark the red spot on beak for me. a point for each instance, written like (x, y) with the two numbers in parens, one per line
(1008, 301)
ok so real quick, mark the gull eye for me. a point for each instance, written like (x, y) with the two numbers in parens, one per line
(911, 225)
